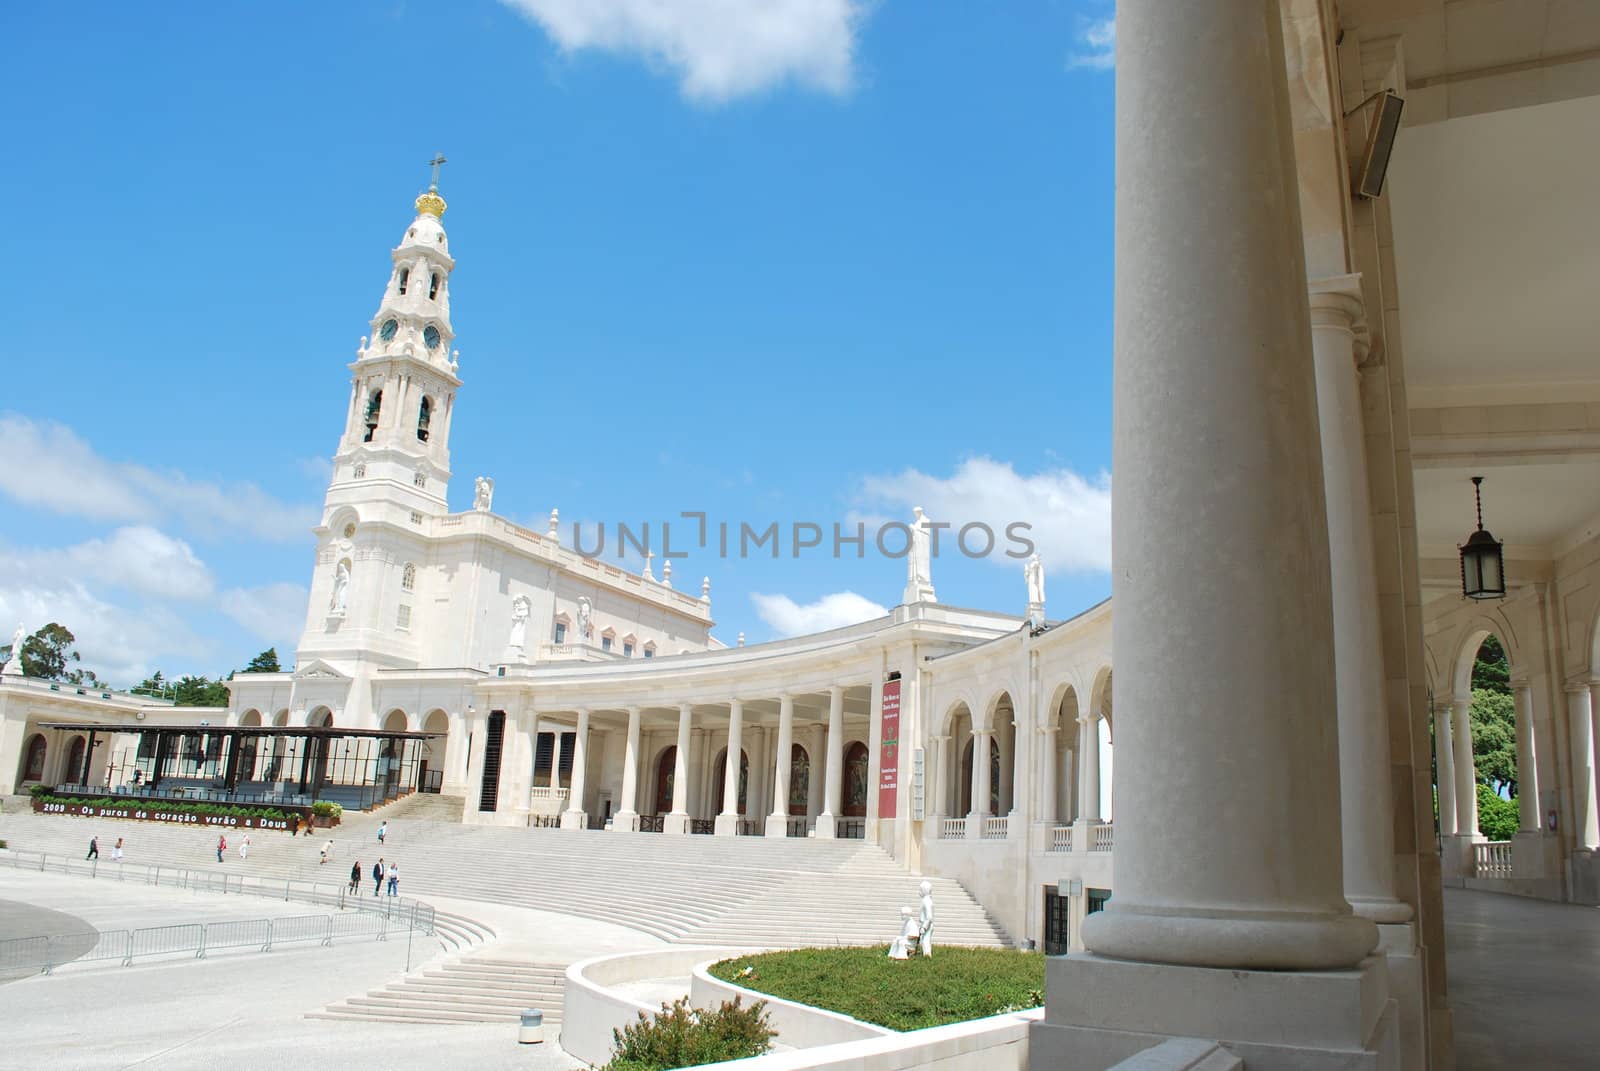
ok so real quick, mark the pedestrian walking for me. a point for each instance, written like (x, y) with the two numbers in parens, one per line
(383, 830)
(324, 855)
(244, 848)
(222, 845)
(377, 876)
(327, 849)
(116, 851)
(355, 876)
(394, 879)
(94, 848)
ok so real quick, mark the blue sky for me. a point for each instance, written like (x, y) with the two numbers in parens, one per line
(810, 260)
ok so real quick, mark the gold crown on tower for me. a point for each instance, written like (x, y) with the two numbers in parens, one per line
(430, 203)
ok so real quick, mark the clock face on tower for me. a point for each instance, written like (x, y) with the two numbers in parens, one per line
(430, 337)
(386, 332)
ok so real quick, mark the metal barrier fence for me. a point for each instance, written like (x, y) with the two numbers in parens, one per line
(402, 910)
(35, 955)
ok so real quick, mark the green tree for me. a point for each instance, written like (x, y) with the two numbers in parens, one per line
(48, 653)
(155, 686)
(1497, 818)
(192, 691)
(1494, 739)
(1491, 671)
(265, 662)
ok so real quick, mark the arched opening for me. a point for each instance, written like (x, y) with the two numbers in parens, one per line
(799, 780)
(1486, 762)
(33, 758)
(424, 418)
(722, 780)
(969, 787)
(855, 780)
(431, 767)
(390, 752)
(249, 747)
(955, 776)
(666, 769)
(1060, 801)
(1002, 753)
(374, 411)
(405, 280)
(250, 717)
(76, 771)
(433, 286)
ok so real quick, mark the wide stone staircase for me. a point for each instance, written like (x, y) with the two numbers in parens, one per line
(750, 891)
(474, 989)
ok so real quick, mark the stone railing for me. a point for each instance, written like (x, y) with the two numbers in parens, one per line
(1060, 839)
(952, 828)
(545, 792)
(995, 827)
(1100, 838)
(1491, 859)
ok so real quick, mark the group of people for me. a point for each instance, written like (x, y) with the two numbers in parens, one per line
(94, 850)
(381, 872)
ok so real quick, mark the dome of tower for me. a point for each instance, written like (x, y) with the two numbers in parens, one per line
(428, 232)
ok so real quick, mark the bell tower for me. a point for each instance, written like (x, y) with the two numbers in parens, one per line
(396, 441)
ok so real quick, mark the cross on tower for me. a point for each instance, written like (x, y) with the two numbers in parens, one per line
(438, 158)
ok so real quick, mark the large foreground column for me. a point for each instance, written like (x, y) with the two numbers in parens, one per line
(575, 817)
(1444, 757)
(778, 820)
(1585, 820)
(832, 793)
(627, 817)
(1366, 797)
(1218, 515)
(678, 820)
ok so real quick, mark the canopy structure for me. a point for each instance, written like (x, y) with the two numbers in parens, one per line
(290, 766)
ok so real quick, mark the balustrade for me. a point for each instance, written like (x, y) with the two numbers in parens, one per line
(1100, 838)
(952, 829)
(1492, 859)
(995, 827)
(1061, 839)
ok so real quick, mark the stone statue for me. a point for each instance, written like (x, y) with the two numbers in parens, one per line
(925, 917)
(666, 573)
(583, 620)
(341, 589)
(18, 638)
(649, 556)
(705, 589)
(919, 576)
(482, 493)
(521, 607)
(554, 532)
(1033, 573)
(900, 947)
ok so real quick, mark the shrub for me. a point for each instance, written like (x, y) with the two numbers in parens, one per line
(680, 1036)
(1497, 818)
(326, 809)
(164, 806)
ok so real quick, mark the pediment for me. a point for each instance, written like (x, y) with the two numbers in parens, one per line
(318, 670)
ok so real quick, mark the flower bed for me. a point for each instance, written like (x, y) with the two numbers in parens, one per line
(951, 986)
(171, 811)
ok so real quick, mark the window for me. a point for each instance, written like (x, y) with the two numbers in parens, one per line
(408, 578)
(627, 650)
(359, 472)
(405, 277)
(425, 410)
(420, 479)
(1057, 921)
(561, 632)
(374, 410)
(433, 286)
(403, 619)
(416, 518)
(605, 643)
(649, 650)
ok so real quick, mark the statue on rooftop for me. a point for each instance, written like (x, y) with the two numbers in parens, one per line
(1033, 574)
(482, 493)
(521, 607)
(583, 620)
(919, 554)
(18, 638)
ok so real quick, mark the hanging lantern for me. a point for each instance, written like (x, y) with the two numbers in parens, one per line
(1483, 574)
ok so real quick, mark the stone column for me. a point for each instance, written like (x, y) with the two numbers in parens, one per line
(555, 759)
(760, 771)
(778, 820)
(1527, 768)
(678, 820)
(1444, 758)
(1585, 819)
(827, 821)
(934, 801)
(727, 824)
(575, 816)
(1047, 775)
(1019, 773)
(816, 773)
(1219, 515)
(1089, 768)
(982, 741)
(627, 817)
(875, 758)
(1338, 344)
(1466, 768)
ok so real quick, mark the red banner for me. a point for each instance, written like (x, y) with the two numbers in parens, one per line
(889, 754)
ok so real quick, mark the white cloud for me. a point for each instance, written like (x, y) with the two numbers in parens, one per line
(1070, 515)
(137, 558)
(1097, 46)
(48, 465)
(122, 645)
(275, 613)
(719, 49)
(789, 618)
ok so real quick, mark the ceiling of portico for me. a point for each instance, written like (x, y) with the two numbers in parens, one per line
(1531, 508)
(1497, 250)
(1465, 57)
